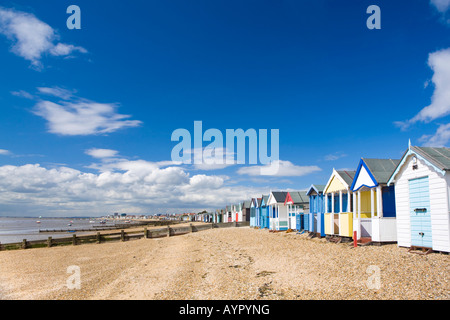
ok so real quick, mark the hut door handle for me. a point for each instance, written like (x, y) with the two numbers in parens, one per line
(421, 233)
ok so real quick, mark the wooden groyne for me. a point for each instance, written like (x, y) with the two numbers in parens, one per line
(116, 226)
(121, 235)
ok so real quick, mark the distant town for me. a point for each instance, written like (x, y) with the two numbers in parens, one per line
(203, 216)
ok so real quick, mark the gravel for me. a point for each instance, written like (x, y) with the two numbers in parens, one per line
(230, 263)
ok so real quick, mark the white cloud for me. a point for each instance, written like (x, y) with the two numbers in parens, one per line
(4, 152)
(76, 116)
(212, 158)
(439, 62)
(278, 168)
(441, 137)
(334, 156)
(441, 5)
(101, 153)
(57, 92)
(23, 94)
(139, 185)
(82, 117)
(32, 38)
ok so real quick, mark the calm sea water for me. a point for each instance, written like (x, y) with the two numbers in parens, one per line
(16, 229)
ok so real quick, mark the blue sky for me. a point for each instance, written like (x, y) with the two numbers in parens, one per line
(87, 115)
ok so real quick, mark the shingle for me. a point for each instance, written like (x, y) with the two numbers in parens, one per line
(440, 157)
(381, 169)
(347, 176)
(299, 197)
(280, 196)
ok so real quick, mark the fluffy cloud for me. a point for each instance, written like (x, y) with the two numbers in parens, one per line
(135, 186)
(101, 153)
(439, 62)
(78, 116)
(440, 138)
(32, 38)
(278, 168)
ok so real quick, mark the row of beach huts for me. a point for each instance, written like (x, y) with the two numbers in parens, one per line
(403, 201)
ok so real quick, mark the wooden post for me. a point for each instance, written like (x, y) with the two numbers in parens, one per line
(98, 237)
(191, 228)
(24, 243)
(49, 242)
(74, 240)
(372, 204)
(168, 231)
(1, 246)
(122, 235)
(145, 233)
(355, 239)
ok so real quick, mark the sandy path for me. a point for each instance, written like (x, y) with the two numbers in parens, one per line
(231, 263)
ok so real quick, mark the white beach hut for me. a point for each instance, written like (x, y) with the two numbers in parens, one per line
(278, 215)
(422, 188)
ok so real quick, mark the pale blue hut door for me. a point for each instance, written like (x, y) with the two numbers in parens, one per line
(419, 204)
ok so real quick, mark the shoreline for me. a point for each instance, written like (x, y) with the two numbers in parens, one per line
(43, 236)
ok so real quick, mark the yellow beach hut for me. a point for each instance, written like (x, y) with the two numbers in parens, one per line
(338, 215)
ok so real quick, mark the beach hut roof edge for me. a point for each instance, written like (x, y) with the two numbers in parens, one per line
(437, 157)
(279, 196)
(379, 170)
(345, 176)
(297, 197)
(319, 188)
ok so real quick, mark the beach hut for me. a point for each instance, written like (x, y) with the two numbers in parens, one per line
(264, 212)
(228, 214)
(278, 218)
(246, 210)
(234, 212)
(422, 187)
(338, 216)
(253, 220)
(374, 214)
(258, 212)
(297, 203)
(317, 209)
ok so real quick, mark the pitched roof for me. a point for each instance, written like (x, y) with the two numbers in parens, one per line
(316, 187)
(259, 202)
(299, 197)
(440, 157)
(381, 169)
(347, 175)
(279, 196)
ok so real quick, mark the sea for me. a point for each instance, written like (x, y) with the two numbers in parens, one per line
(13, 230)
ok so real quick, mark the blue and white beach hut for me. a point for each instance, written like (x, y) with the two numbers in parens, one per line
(422, 188)
(317, 208)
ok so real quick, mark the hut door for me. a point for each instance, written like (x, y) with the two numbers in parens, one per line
(419, 204)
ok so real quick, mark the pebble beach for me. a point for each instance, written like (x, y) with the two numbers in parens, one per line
(225, 264)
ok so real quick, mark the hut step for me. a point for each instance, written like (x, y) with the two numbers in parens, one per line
(420, 250)
(311, 235)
